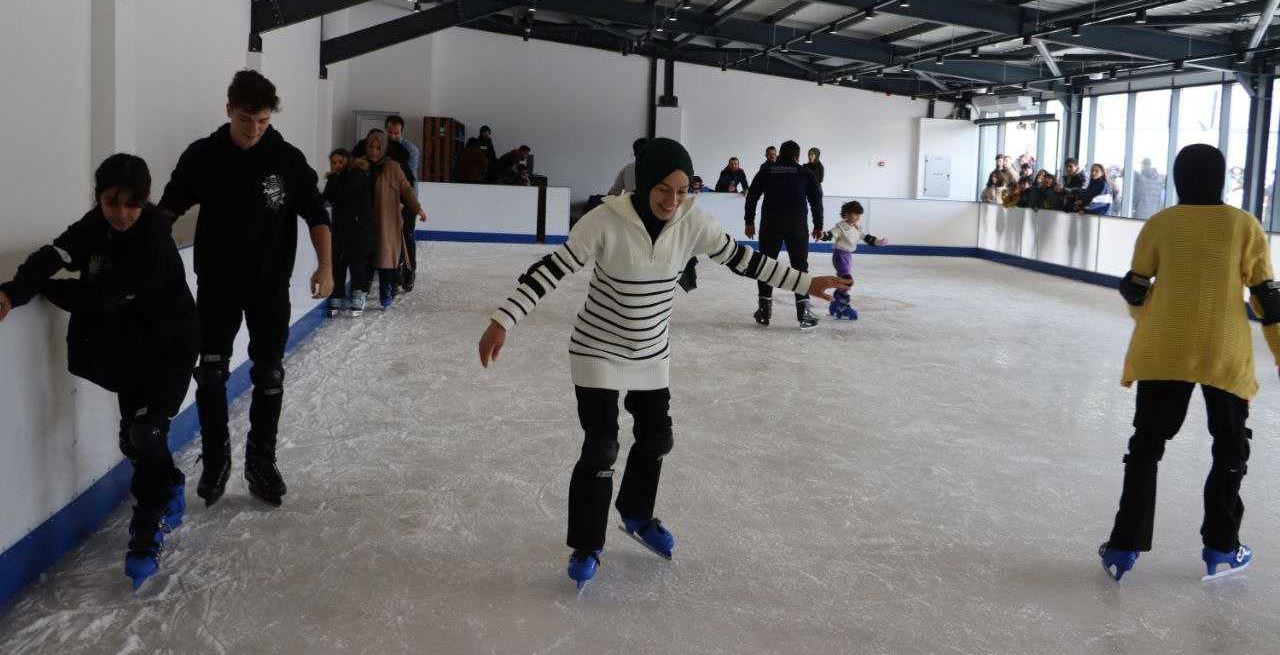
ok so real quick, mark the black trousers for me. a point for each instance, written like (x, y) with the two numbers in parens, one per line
(265, 310)
(409, 255)
(591, 486)
(795, 235)
(352, 250)
(1162, 407)
(145, 411)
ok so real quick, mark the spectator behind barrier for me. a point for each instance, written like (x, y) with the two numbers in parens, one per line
(473, 164)
(1097, 197)
(733, 179)
(996, 189)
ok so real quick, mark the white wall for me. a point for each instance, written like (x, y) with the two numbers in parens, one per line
(491, 209)
(291, 60)
(47, 178)
(578, 108)
(393, 79)
(736, 113)
(956, 139)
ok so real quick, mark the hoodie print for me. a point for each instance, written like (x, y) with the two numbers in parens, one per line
(273, 192)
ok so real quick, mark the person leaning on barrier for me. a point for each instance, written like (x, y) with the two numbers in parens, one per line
(133, 332)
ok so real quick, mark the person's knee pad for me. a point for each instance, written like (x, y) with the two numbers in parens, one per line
(656, 445)
(599, 455)
(212, 372)
(268, 378)
(1146, 451)
(148, 437)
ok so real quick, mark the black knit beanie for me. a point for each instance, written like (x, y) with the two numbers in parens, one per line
(1199, 173)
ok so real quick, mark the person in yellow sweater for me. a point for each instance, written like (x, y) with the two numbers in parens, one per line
(1190, 267)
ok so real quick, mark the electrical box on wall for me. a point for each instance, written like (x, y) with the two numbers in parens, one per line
(937, 176)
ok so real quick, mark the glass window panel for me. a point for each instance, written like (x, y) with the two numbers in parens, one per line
(1108, 149)
(1020, 145)
(1274, 126)
(1199, 119)
(1086, 130)
(988, 142)
(1237, 145)
(1150, 151)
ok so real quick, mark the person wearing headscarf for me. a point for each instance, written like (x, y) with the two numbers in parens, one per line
(814, 165)
(390, 188)
(1191, 265)
(635, 246)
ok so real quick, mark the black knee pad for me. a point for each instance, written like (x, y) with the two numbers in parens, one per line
(212, 371)
(149, 437)
(657, 445)
(599, 455)
(268, 378)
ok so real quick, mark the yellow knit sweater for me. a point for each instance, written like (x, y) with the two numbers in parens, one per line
(1192, 326)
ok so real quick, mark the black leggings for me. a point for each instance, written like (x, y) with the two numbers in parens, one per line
(592, 483)
(1162, 406)
(796, 239)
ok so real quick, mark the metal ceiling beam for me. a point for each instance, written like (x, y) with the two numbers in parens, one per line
(1047, 57)
(973, 14)
(407, 28)
(910, 32)
(786, 11)
(1259, 31)
(267, 15)
(932, 80)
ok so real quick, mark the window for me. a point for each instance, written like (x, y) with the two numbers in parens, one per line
(1109, 141)
(1150, 152)
(988, 148)
(1020, 141)
(1237, 145)
(1199, 116)
(1270, 179)
(1050, 136)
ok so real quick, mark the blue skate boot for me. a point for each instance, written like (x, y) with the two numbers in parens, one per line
(1236, 560)
(651, 534)
(1116, 562)
(335, 307)
(583, 565)
(175, 509)
(146, 542)
(847, 313)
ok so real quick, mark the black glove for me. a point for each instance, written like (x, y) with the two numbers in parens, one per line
(689, 276)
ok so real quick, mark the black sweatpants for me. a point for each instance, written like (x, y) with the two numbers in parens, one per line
(795, 234)
(352, 250)
(151, 403)
(265, 310)
(1161, 408)
(591, 486)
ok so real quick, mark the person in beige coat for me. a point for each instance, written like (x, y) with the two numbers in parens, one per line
(390, 188)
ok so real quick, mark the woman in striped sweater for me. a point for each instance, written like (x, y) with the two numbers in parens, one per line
(639, 243)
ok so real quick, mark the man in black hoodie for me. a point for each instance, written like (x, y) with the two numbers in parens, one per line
(789, 190)
(251, 187)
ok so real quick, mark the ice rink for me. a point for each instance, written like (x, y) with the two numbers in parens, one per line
(934, 478)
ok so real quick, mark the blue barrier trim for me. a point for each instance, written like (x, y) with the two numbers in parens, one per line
(1090, 277)
(25, 560)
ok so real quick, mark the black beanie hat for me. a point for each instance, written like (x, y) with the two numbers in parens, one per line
(660, 158)
(1199, 173)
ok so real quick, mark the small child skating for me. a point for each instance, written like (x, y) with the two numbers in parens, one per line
(635, 245)
(1190, 329)
(847, 234)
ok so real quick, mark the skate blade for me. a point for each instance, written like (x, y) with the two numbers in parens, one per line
(647, 547)
(1116, 575)
(1223, 574)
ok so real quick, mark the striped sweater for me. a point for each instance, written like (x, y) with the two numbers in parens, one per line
(620, 339)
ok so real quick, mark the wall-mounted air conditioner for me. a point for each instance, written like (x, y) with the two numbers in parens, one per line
(992, 104)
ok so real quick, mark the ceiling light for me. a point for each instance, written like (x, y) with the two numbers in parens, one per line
(687, 5)
(785, 48)
(1178, 65)
(417, 6)
(1141, 17)
(808, 38)
(871, 13)
(1026, 40)
(1241, 57)
(672, 18)
(905, 3)
(973, 53)
(940, 61)
(659, 29)
(834, 29)
(1075, 31)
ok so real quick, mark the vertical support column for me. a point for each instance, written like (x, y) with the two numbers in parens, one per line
(1256, 151)
(1224, 121)
(253, 60)
(1128, 172)
(1093, 132)
(1071, 126)
(1175, 110)
(651, 98)
(112, 88)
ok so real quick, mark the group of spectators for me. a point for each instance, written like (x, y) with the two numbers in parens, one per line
(479, 162)
(1074, 192)
(733, 179)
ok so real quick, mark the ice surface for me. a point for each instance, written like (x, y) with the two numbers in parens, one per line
(934, 478)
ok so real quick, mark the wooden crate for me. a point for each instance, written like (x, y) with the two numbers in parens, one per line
(442, 142)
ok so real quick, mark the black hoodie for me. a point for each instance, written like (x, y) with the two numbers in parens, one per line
(249, 202)
(789, 190)
(131, 309)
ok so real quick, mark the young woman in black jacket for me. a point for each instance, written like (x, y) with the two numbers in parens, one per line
(133, 332)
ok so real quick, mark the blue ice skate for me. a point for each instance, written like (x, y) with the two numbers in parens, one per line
(847, 312)
(143, 559)
(1236, 560)
(335, 307)
(1116, 562)
(583, 565)
(175, 509)
(651, 534)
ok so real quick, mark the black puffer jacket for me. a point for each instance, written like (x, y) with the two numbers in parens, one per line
(131, 309)
(249, 202)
